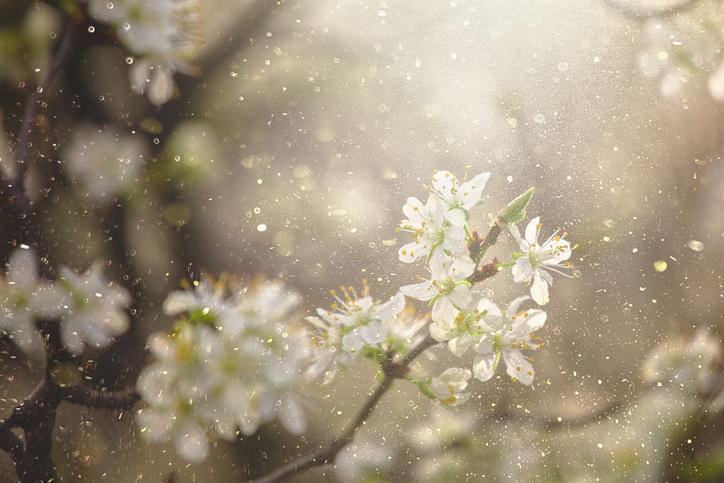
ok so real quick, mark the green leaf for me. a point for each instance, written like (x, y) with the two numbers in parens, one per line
(514, 212)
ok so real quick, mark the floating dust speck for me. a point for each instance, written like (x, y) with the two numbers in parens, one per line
(261, 227)
(660, 265)
(695, 245)
(390, 243)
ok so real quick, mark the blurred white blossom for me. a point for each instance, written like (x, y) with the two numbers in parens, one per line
(538, 259)
(93, 309)
(103, 162)
(363, 461)
(692, 363)
(24, 298)
(449, 387)
(164, 33)
(232, 364)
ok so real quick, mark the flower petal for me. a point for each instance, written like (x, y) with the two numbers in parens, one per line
(518, 367)
(539, 289)
(484, 367)
(532, 230)
(192, 443)
(421, 291)
(469, 192)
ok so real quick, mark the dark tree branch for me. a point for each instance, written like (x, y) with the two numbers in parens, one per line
(28, 125)
(93, 398)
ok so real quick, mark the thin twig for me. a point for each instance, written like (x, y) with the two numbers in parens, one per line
(392, 370)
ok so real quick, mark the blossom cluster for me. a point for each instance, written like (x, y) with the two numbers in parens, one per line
(88, 309)
(164, 33)
(231, 363)
(461, 316)
(357, 324)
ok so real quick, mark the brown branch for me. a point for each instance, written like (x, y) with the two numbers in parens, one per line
(392, 370)
(93, 398)
(641, 13)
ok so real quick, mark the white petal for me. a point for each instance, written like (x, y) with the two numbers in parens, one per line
(539, 289)
(444, 311)
(460, 345)
(514, 306)
(489, 308)
(162, 86)
(155, 425)
(180, 301)
(484, 345)
(414, 211)
(439, 331)
(522, 270)
(469, 192)
(716, 84)
(71, 337)
(22, 267)
(413, 251)
(457, 216)
(532, 230)
(461, 268)
(536, 319)
(517, 366)
(483, 367)
(461, 296)
(139, 75)
(421, 291)
(191, 442)
(443, 182)
(292, 417)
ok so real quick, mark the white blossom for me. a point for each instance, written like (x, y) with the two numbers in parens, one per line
(92, 309)
(538, 259)
(447, 290)
(458, 197)
(233, 364)
(433, 234)
(24, 298)
(507, 335)
(363, 461)
(205, 301)
(103, 162)
(355, 323)
(174, 387)
(164, 33)
(449, 387)
(691, 362)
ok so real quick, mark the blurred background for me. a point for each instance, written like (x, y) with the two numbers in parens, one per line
(291, 152)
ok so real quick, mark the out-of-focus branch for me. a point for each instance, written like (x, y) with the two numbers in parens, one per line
(640, 13)
(28, 125)
(392, 370)
(93, 398)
